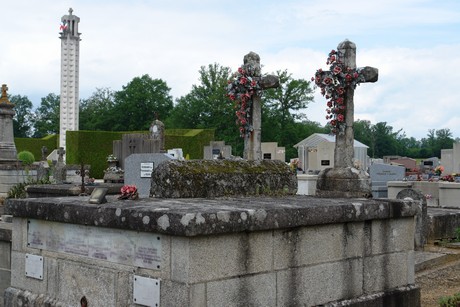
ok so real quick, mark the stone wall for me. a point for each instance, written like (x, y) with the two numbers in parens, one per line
(11, 175)
(286, 251)
(5, 255)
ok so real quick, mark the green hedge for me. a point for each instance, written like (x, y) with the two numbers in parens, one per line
(35, 145)
(90, 147)
(93, 147)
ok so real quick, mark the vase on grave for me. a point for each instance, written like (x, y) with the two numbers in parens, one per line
(113, 173)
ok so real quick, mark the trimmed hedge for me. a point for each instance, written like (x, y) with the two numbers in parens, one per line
(35, 145)
(93, 147)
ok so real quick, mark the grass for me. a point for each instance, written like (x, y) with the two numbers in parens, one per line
(450, 301)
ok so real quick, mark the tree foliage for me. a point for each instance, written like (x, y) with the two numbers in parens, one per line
(96, 112)
(206, 106)
(46, 119)
(23, 118)
(282, 111)
(137, 104)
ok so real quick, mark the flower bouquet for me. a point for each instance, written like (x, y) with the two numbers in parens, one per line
(438, 170)
(129, 192)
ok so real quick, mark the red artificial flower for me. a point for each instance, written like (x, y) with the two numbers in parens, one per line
(329, 103)
(243, 80)
(340, 90)
(340, 118)
(337, 70)
(348, 77)
(339, 100)
(327, 81)
(355, 75)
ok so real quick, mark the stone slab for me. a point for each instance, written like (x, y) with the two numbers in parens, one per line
(135, 175)
(192, 217)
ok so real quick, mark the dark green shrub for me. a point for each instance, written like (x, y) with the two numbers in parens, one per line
(19, 190)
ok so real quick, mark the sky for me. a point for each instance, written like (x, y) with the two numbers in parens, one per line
(415, 45)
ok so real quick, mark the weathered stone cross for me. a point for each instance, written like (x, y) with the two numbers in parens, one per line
(344, 143)
(61, 153)
(344, 180)
(253, 140)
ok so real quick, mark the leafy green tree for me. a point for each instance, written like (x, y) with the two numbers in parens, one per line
(206, 106)
(97, 112)
(363, 133)
(385, 140)
(46, 119)
(138, 102)
(22, 120)
(281, 111)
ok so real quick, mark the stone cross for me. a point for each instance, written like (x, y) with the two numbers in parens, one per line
(252, 142)
(344, 142)
(61, 153)
(4, 90)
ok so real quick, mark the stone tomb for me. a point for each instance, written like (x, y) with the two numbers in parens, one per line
(217, 150)
(139, 168)
(262, 251)
(381, 174)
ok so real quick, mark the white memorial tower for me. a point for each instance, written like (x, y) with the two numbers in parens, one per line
(70, 67)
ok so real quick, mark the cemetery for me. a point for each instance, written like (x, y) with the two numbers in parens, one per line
(196, 226)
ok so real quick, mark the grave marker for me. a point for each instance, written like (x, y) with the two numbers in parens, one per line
(344, 180)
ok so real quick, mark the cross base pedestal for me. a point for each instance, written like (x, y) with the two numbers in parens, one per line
(344, 182)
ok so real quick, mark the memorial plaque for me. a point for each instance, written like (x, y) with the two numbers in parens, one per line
(146, 170)
(115, 245)
(146, 291)
(325, 162)
(34, 266)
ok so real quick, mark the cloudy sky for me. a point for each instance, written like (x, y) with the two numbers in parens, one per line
(415, 45)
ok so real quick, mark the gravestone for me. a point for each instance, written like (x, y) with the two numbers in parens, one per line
(8, 153)
(382, 173)
(343, 180)
(136, 143)
(139, 168)
(60, 171)
(253, 140)
(216, 150)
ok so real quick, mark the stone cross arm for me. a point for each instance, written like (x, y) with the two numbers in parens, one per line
(269, 81)
(370, 74)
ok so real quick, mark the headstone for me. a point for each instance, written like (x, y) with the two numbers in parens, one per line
(60, 171)
(421, 218)
(344, 180)
(382, 173)
(216, 150)
(177, 153)
(131, 143)
(157, 134)
(253, 139)
(8, 153)
(139, 168)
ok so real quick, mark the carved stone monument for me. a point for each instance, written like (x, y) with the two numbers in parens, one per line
(253, 140)
(344, 180)
(60, 172)
(8, 153)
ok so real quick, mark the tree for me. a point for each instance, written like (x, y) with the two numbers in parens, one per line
(22, 120)
(363, 133)
(281, 111)
(206, 106)
(46, 119)
(97, 112)
(385, 140)
(138, 102)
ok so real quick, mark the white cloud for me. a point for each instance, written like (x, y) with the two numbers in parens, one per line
(413, 43)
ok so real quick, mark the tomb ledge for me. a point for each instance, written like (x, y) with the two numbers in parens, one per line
(198, 216)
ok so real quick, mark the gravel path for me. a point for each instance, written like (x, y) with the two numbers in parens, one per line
(439, 281)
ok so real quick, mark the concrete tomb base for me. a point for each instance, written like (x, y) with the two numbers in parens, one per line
(346, 182)
(255, 251)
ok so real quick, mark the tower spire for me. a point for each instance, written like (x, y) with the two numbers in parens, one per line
(70, 59)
